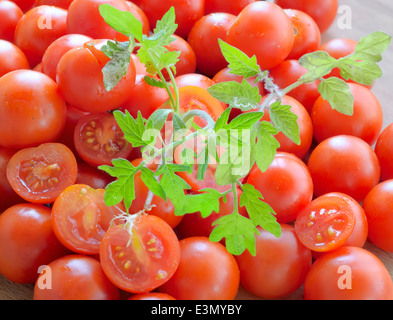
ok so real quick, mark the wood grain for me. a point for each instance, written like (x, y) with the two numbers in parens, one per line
(367, 16)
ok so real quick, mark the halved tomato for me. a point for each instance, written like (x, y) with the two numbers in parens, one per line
(142, 256)
(40, 174)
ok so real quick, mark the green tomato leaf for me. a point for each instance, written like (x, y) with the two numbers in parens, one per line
(338, 93)
(285, 121)
(150, 181)
(133, 129)
(318, 64)
(371, 47)
(267, 145)
(363, 72)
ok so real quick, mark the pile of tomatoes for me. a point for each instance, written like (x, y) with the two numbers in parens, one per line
(331, 193)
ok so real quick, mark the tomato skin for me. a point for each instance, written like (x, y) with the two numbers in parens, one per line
(194, 79)
(234, 7)
(286, 185)
(365, 123)
(384, 152)
(57, 3)
(362, 270)
(27, 241)
(143, 261)
(152, 296)
(98, 139)
(25, 5)
(76, 277)
(263, 29)
(288, 72)
(378, 207)
(33, 34)
(305, 129)
(206, 272)
(205, 34)
(307, 36)
(11, 58)
(40, 174)
(32, 101)
(93, 177)
(8, 196)
(325, 224)
(344, 164)
(56, 50)
(80, 79)
(322, 11)
(10, 14)
(187, 13)
(96, 27)
(279, 267)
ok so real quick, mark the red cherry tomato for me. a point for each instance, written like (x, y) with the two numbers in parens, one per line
(11, 58)
(325, 224)
(10, 14)
(206, 272)
(75, 277)
(205, 34)
(95, 26)
(307, 34)
(286, 185)
(264, 30)
(56, 50)
(187, 13)
(27, 241)
(80, 78)
(365, 123)
(384, 152)
(40, 174)
(33, 107)
(348, 273)
(279, 266)
(141, 257)
(80, 218)
(37, 29)
(344, 164)
(322, 11)
(378, 206)
(194, 79)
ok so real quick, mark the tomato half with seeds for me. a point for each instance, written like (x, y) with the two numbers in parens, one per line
(326, 223)
(40, 174)
(98, 139)
(142, 257)
(80, 218)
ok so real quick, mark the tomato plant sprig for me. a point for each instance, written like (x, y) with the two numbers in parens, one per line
(234, 146)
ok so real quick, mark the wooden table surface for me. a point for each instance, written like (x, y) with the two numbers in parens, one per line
(367, 16)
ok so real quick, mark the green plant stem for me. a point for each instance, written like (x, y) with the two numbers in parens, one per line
(175, 87)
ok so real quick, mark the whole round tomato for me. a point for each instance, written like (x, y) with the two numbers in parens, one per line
(37, 29)
(11, 58)
(27, 241)
(279, 266)
(206, 272)
(98, 139)
(10, 14)
(384, 152)
(205, 34)
(187, 13)
(322, 11)
(378, 206)
(307, 34)
(80, 218)
(31, 108)
(344, 164)
(287, 73)
(95, 26)
(263, 29)
(141, 254)
(74, 277)
(286, 185)
(194, 79)
(80, 78)
(234, 6)
(348, 273)
(56, 50)
(40, 174)
(305, 129)
(365, 122)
